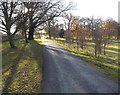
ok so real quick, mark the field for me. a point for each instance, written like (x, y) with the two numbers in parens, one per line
(107, 64)
(21, 67)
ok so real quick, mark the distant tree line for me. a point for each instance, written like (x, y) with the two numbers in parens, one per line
(79, 29)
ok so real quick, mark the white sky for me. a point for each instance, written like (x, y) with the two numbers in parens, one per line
(97, 8)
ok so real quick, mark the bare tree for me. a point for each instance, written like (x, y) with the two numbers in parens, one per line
(118, 36)
(94, 28)
(68, 24)
(41, 12)
(52, 27)
(10, 17)
(109, 30)
(24, 26)
(79, 31)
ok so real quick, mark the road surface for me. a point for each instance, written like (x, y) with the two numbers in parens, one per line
(66, 73)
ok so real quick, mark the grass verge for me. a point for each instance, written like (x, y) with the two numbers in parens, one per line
(106, 64)
(21, 67)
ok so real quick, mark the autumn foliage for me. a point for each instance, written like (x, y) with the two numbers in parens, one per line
(79, 29)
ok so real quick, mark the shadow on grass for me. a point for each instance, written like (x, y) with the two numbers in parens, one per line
(37, 50)
(13, 68)
(10, 52)
(114, 49)
(90, 55)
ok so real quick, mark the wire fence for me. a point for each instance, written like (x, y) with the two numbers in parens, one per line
(5, 38)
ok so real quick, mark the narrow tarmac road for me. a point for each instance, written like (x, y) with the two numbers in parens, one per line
(66, 73)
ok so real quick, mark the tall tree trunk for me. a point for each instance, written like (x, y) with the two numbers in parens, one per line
(11, 41)
(81, 45)
(49, 34)
(77, 45)
(99, 47)
(26, 39)
(77, 40)
(95, 50)
(25, 34)
(31, 33)
(104, 48)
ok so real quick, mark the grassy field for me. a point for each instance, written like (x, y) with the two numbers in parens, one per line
(108, 63)
(21, 67)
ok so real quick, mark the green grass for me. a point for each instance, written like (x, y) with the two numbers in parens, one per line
(21, 67)
(108, 63)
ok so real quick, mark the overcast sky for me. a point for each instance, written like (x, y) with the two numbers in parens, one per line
(97, 8)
